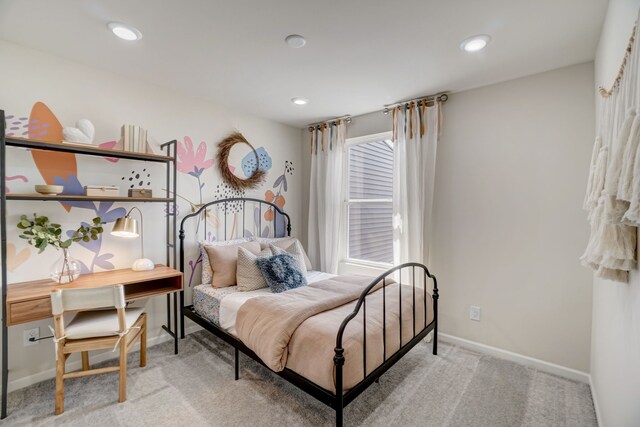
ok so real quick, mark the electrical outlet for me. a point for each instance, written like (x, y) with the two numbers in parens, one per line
(30, 333)
(474, 313)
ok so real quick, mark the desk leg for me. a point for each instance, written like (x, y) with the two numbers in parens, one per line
(176, 337)
(181, 314)
(5, 368)
(169, 312)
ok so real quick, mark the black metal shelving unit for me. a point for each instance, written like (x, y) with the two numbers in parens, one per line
(168, 158)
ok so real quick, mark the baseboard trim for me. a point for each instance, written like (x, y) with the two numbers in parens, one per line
(594, 397)
(19, 383)
(543, 366)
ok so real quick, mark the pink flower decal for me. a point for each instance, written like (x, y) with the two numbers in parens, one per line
(192, 163)
(109, 145)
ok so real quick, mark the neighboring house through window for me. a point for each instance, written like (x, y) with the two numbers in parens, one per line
(369, 188)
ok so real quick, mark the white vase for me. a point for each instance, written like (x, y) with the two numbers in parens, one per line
(66, 269)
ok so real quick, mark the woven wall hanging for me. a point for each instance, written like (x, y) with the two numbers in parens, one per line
(224, 148)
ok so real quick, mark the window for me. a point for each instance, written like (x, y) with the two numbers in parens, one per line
(369, 199)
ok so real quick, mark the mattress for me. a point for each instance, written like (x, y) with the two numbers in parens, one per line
(220, 305)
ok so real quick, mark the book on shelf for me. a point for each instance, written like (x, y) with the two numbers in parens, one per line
(134, 138)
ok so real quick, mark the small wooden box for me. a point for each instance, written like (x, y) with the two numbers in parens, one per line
(101, 190)
(144, 193)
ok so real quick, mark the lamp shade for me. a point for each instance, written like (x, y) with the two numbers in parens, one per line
(126, 227)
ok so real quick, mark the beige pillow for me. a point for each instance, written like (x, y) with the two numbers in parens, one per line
(295, 250)
(207, 273)
(248, 276)
(224, 262)
(284, 243)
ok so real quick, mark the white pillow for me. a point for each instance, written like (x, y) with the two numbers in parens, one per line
(283, 243)
(248, 275)
(295, 250)
(207, 272)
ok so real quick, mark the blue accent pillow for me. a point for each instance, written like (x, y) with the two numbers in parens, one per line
(281, 272)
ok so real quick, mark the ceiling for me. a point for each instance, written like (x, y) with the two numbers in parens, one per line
(360, 54)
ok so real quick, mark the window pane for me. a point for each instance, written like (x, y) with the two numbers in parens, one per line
(371, 170)
(371, 232)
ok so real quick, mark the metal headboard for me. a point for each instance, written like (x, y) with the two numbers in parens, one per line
(237, 202)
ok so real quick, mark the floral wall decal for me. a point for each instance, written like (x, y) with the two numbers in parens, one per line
(280, 186)
(44, 126)
(192, 160)
(109, 145)
(17, 126)
(11, 178)
(248, 163)
(193, 163)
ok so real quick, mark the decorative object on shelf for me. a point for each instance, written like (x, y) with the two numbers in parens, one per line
(143, 193)
(49, 190)
(83, 133)
(134, 138)
(224, 148)
(128, 227)
(40, 232)
(101, 190)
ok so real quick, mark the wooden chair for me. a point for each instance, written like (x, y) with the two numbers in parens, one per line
(93, 329)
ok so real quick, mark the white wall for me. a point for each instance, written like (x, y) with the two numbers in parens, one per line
(508, 228)
(615, 341)
(73, 91)
(508, 225)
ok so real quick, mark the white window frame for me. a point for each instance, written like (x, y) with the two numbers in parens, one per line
(346, 201)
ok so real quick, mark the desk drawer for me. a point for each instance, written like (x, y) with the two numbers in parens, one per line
(28, 311)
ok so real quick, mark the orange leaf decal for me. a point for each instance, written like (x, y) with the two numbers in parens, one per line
(44, 126)
(15, 260)
(280, 201)
(269, 196)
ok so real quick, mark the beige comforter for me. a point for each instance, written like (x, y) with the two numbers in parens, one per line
(297, 329)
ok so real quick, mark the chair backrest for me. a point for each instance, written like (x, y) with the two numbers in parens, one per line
(86, 299)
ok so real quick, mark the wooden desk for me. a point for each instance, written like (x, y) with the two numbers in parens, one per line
(29, 301)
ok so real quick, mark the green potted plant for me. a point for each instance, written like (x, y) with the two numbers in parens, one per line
(41, 233)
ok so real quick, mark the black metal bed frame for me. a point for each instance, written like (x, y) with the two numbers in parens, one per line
(340, 399)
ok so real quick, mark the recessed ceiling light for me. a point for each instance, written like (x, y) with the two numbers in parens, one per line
(296, 41)
(125, 32)
(475, 43)
(299, 101)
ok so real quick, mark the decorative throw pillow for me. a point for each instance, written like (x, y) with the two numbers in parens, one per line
(224, 262)
(281, 272)
(207, 273)
(295, 250)
(248, 276)
(283, 243)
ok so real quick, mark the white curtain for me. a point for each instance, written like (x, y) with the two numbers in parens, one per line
(326, 195)
(415, 136)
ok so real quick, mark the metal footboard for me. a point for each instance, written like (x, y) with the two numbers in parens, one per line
(341, 398)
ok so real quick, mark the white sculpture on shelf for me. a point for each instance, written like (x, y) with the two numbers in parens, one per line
(83, 133)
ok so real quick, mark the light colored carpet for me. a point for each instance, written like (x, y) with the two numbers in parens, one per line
(196, 388)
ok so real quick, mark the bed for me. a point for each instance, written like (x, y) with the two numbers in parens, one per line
(332, 338)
